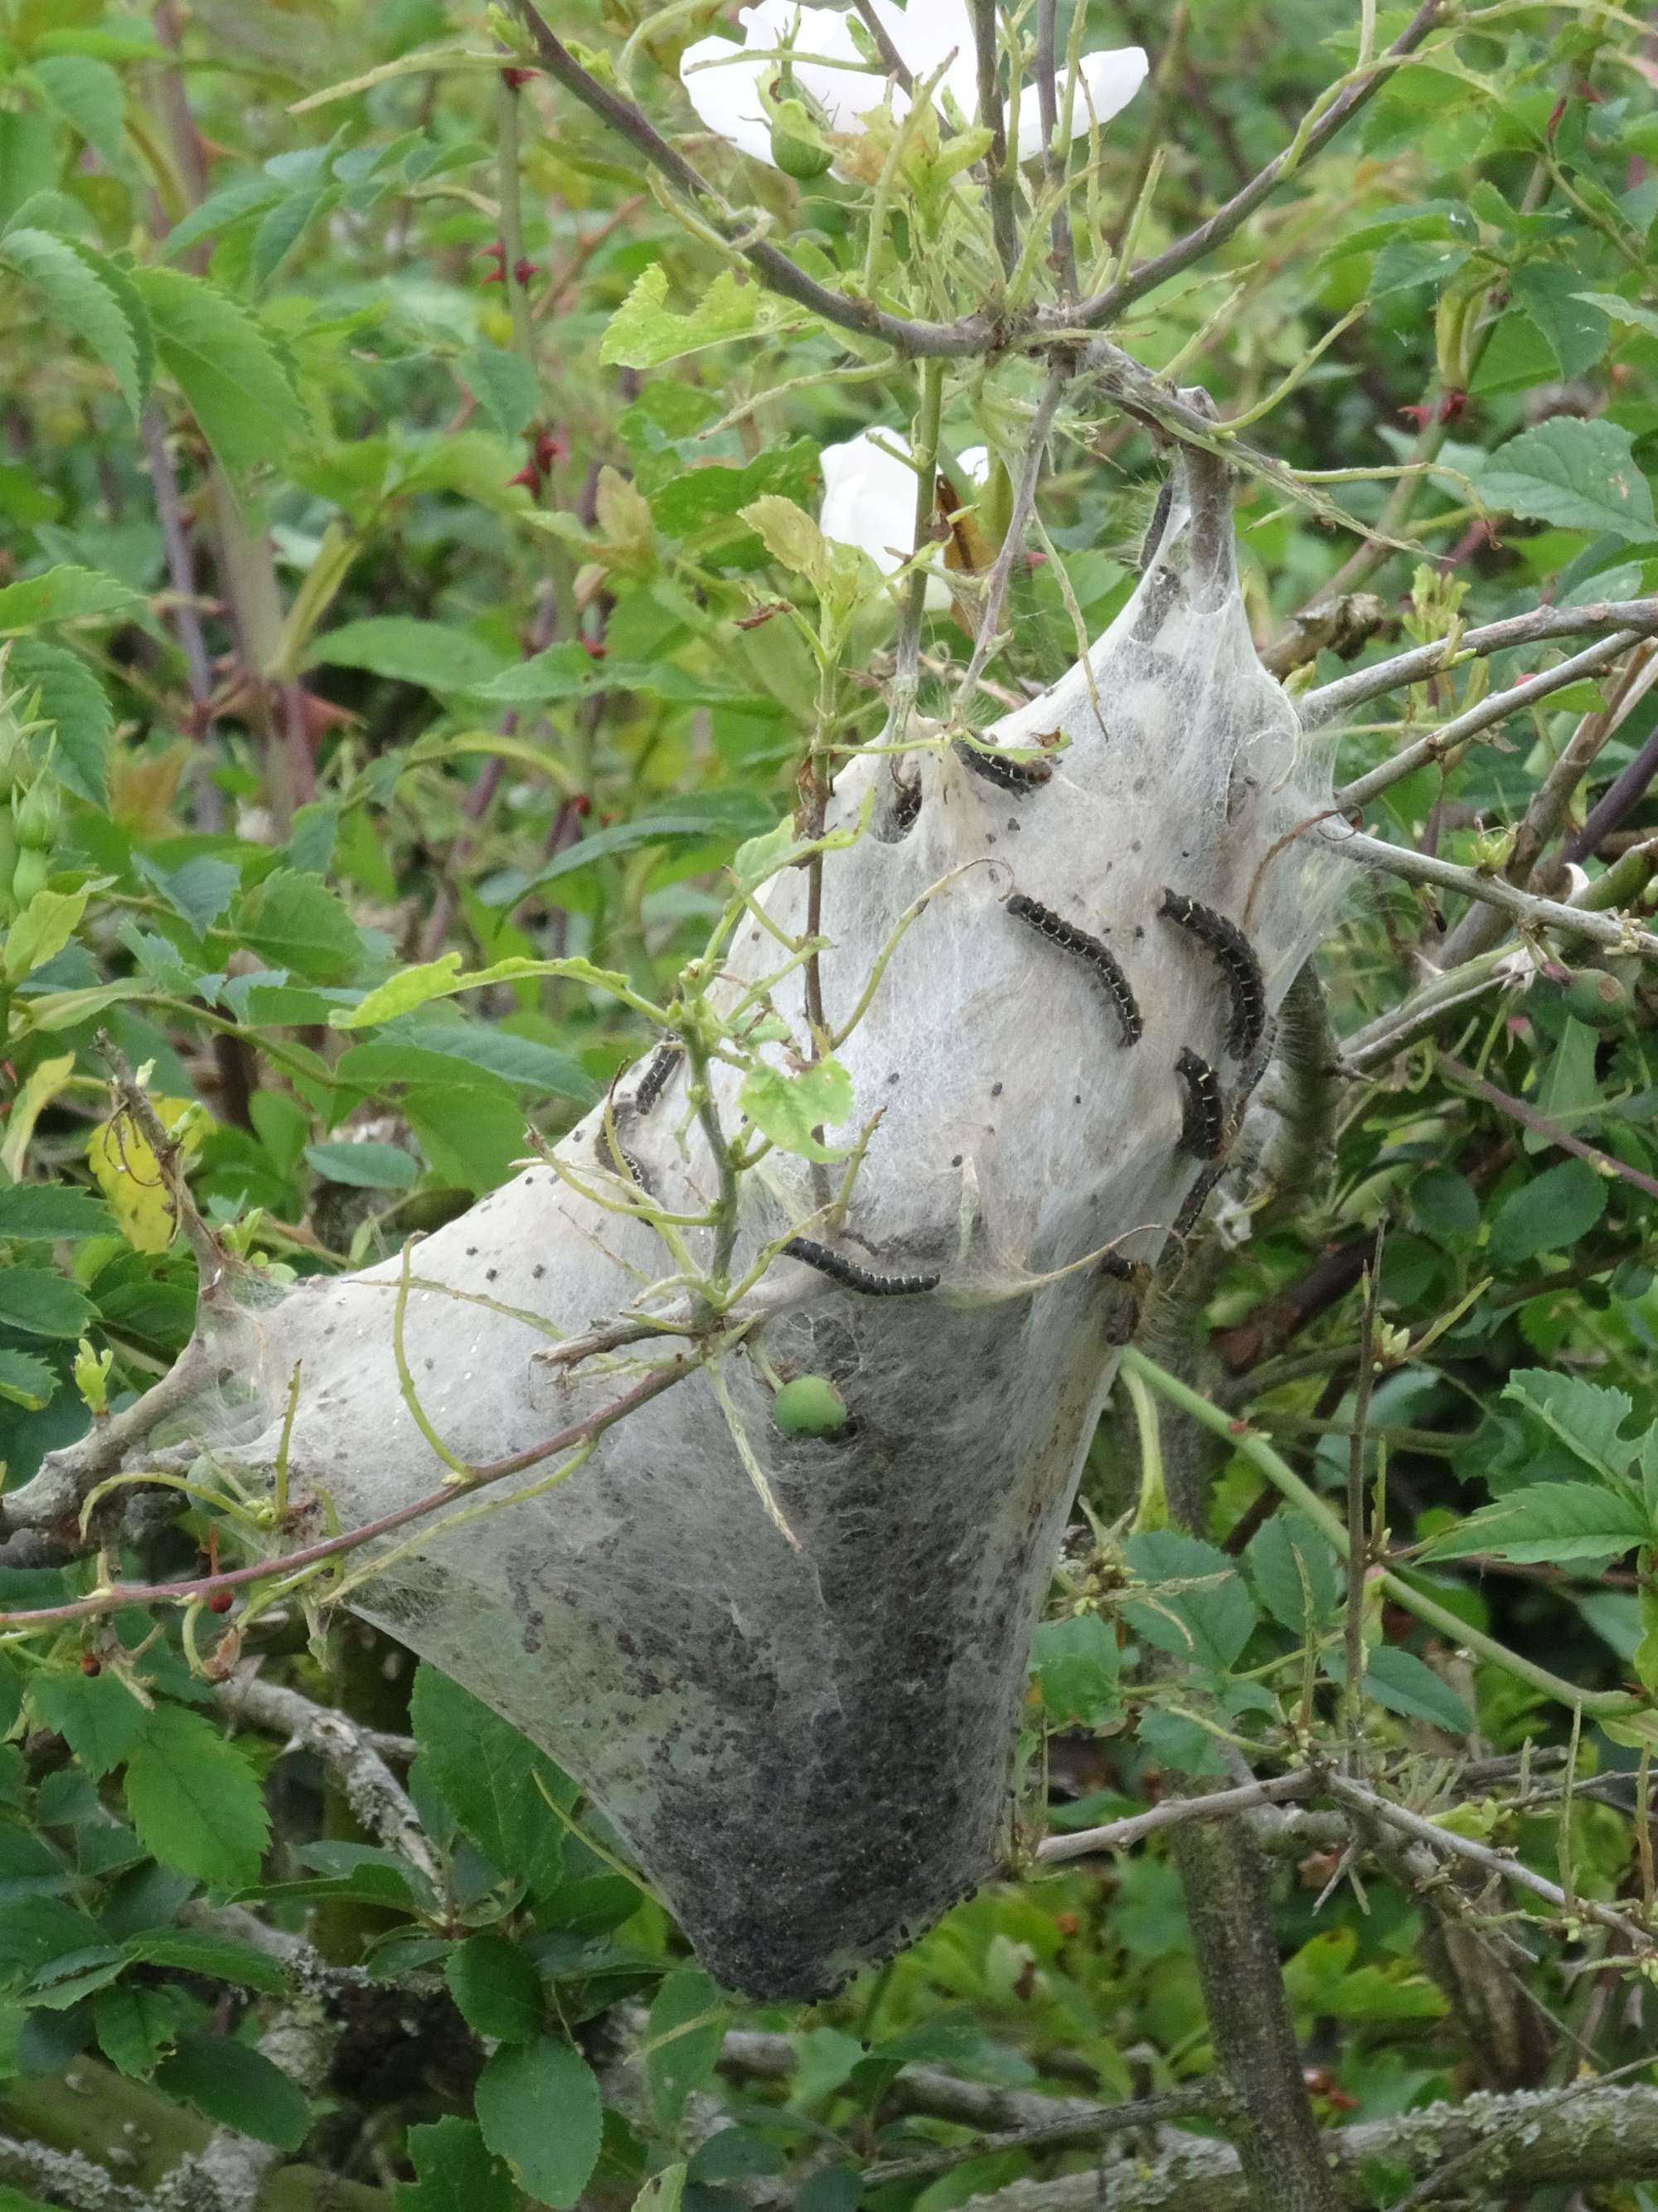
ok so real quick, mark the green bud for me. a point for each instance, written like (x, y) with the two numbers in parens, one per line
(811, 1406)
(37, 813)
(92, 1377)
(796, 147)
(29, 875)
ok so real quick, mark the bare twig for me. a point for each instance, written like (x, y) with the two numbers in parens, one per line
(1528, 1117)
(1117, 1835)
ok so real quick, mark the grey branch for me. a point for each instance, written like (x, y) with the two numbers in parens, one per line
(1614, 931)
(65, 2177)
(375, 1796)
(1117, 1835)
(1486, 716)
(1331, 701)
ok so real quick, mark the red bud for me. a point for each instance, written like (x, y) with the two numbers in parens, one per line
(581, 805)
(222, 1601)
(593, 649)
(529, 475)
(516, 79)
(91, 1664)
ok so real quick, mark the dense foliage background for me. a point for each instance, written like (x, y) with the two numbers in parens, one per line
(364, 607)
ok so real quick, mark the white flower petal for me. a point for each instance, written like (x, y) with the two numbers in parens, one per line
(869, 498)
(975, 463)
(1106, 82)
(727, 95)
(928, 33)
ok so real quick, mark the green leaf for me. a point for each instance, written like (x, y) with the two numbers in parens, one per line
(441, 979)
(96, 1715)
(295, 922)
(431, 654)
(41, 932)
(663, 2192)
(73, 702)
(538, 2108)
(486, 1773)
(644, 332)
(1587, 1418)
(788, 1108)
(791, 538)
(522, 1060)
(1582, 474)
(503, 384)
(1548, 1213)
(239, 2087)
(65, 594)
(1627, 311)
(79, 297)
(683, 2042)
(42, 1210)
(195, 1800)
(496, 1990)
(365, 1166)
(12, 1696)
(86, 93)
(1405, 1684)
(1211, 1622)
(1405, 262)
(42, 1304)
(1549, 1521)
(1294, 1571)
(135, 2026)
(1577, 332)
(25, 1381)
(224, 365)
(1077, 1669)
(457, 2171)
(194, 1952)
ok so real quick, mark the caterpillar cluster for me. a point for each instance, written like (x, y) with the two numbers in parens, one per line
(1016, 776)
(1203, 1118)
(1235, 956)
(839, 1269)
(1069, 939)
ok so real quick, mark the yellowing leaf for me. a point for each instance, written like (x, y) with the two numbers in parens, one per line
(126, 1168)
(142, 788)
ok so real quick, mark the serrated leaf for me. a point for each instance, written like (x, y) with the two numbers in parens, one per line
(1583, 475)
(42, 1304)
(365, 1166)
(96, 1715)
(80, 300)
(1077, 1669)
(503, 384)
(72, 702)
(1405, 1684)
(486, 1773)
(1549, 1213)
(295, 922)
(457, 2172)
(538, 2108)
(433, 655)
(192, 1951)
(789, 1108)
(497, 1991)
(683, 2039)
(65, 593)
(1293, 1569)
(223, 364)
(195, 1800)
(441, 979)
(41, 932)
(135, 2026)
(25, 1381)
(1212, 1622)
(86, 93)
(1577, 331)
(1627, 311)
(1587, 1418)
(644, 332)
(50, 1209)
(239, 2087)
(1549, 1521)
(664, 2191)
(791, 536)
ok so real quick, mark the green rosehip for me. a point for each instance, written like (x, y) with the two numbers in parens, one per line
(796, 147)
(811, 1406)
(1595, 996)
(37, 813)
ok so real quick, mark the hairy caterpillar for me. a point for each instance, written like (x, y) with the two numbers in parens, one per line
(1016, 776)
(842, 1270)
(1235, 956)
(1069, 939)
(654, 1082)
(1203, 1120)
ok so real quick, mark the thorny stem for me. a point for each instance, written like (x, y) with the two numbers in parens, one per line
(1054, 161)
(1358, 1557)
(508, 96)
(990, 116)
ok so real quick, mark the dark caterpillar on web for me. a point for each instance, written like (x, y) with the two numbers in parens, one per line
(1235, 956)
(1069, 939)
(1016, 776)
(1203, 1118)
(848, 1272)
(658, 1070)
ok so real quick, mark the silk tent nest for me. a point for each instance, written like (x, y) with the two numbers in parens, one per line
(805, 1732)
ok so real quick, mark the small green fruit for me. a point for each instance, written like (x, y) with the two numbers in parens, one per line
(37, 813)
(796, 147)
(811, 1406)
(1595, 996)
(29, 875)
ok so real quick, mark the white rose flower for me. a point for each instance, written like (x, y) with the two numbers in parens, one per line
(869, 500)
(723, 83)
